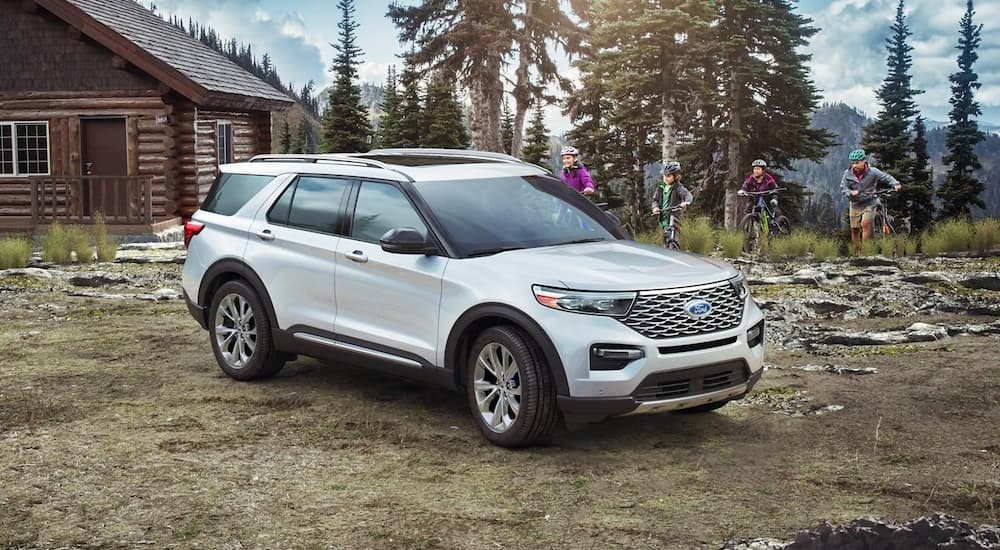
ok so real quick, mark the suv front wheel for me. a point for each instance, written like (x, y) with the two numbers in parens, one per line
(241, 333)
(510, 389)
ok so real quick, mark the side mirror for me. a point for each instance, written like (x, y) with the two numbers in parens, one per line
(405, 240)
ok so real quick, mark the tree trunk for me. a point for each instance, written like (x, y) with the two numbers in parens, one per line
(522, 85)
(668, 124)
(486, 94)
(731, 211)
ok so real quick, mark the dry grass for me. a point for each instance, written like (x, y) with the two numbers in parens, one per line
(697, 235)
(57, 247)
(948, 236)
(106, 245)
(986, 234)
(14, 252)
(731, 243)
(825, 248)
(796, 244)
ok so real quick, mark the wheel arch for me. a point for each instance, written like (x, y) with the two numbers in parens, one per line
(475, 320)
(230, 270)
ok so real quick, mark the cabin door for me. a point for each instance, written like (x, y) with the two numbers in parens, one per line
(103, 159)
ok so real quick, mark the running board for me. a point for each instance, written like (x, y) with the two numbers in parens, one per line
(343, 346)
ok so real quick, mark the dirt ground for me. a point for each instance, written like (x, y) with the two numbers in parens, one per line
(117, 430)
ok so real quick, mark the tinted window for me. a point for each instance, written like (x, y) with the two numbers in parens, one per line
(282, 206)
(483, 215)
(382, 207)
(231, 191)
(316, 203)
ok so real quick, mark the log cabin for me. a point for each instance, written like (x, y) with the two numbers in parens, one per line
(105, 108)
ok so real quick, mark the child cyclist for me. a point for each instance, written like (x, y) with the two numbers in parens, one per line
(670, 196)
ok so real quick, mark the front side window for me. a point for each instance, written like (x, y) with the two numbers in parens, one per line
(381, 207)
(24, 148)
(315, 203)
(485, 216)
(224, 140)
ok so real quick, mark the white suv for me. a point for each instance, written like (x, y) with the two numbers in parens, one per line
(471, 269)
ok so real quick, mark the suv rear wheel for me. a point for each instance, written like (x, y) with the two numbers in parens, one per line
(510, 389)
(241, 333)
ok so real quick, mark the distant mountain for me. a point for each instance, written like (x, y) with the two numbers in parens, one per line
(847, 125)
(371, 97)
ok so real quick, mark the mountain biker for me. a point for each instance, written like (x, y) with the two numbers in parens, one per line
(670, 194)
(574, 173)
(760, 181)
(859, 185)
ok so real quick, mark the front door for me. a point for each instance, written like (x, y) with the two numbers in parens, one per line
(104, 154)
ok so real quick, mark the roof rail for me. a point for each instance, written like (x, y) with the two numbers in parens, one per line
(332, 158)
(459, 153)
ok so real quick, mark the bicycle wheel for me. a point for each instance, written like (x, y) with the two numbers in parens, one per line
(672, 244)
(782, 226)
(751, 233)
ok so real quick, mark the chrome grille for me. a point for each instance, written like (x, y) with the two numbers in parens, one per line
(661, 314)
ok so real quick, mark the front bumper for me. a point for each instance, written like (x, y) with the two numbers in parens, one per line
(594, 409)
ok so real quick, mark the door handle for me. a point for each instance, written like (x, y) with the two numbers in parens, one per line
(357, 256)
(265, 235)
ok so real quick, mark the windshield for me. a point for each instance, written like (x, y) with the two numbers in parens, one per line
(486, 216)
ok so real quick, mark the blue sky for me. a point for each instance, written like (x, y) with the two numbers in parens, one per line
(848, 52)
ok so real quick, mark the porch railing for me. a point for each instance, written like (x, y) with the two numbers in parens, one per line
(122, 200)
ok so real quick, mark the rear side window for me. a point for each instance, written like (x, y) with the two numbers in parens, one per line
(231, 191)
(312, 203)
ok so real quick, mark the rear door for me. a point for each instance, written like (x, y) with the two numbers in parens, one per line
(293, 248)
(388, 302)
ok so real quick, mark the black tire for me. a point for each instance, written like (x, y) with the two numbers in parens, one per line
(708, 407)
(531, 387)
(782, 226)
(240, 333)
(751, 233)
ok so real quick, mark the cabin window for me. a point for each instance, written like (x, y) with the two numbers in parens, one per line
(224, 138)
(24, 148)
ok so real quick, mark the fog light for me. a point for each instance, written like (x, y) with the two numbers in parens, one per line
(613, 356)
(755, 336)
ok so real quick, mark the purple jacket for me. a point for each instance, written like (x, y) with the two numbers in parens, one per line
(577, 177)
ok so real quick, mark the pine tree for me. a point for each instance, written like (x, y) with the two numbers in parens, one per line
(961, 189)
(388, 131)
(766, 106)
(443, 116)
(536, 150)
(297, 146)
(888, 136)
(471, 39)
(346, 127)
(411, 127)
(506, 127)
(285, 137)
(921, 190)
(537, 25)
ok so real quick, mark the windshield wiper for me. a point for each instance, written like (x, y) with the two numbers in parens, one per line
(587, 240)
(492, 251)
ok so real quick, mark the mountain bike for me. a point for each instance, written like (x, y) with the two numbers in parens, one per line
(760, 220)
(672, 231)
(882, 221)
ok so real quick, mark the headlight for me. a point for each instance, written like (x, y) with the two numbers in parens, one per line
(739, 284)
(615, 304)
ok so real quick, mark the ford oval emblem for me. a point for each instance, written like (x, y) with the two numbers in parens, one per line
(698, 308)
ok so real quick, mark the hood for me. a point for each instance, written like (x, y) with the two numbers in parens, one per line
(615, 265)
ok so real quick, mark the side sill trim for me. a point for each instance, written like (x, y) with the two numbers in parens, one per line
(357, 349)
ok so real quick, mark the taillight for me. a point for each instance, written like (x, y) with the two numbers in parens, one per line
(191, 228)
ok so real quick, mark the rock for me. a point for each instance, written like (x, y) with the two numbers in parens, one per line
(163, 294)
(98, 278)
(847, 338)
(937, 531)
(924, 332)
(754, 544)
(826, 307)
(869, 261)
(925, 277)
(807, 276)
(982, 281)
(33, 272)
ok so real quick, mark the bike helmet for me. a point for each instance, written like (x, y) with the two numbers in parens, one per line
(569, 150)
(856, 155)
(759, 162)
(672, 167)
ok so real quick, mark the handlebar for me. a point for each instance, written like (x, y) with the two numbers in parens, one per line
(758, 193)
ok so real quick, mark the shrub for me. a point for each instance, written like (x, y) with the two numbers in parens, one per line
(697, 236)
(14, 252)
(910, 243)
(56, 245)
(986, 234)
(825, 248)
(79, 240)
(649, 237)
(948, 236)
(871, 247)
(107, 245)
(731, 242)
(794, 245)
